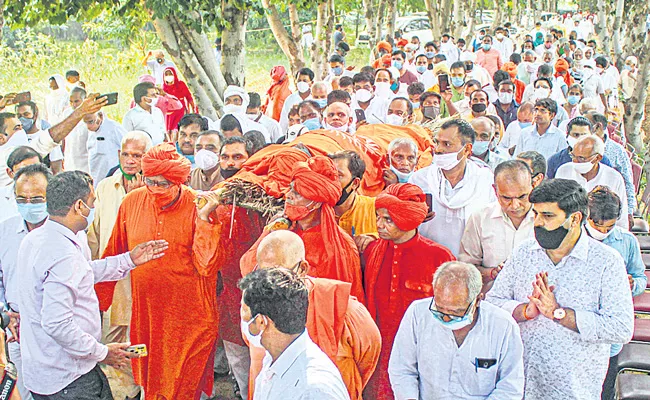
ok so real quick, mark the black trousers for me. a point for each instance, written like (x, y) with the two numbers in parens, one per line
(609, 386)
(91, 386)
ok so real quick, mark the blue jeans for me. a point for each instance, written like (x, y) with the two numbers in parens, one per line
(91, 386)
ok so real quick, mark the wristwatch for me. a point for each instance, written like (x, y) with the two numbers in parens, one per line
(559, 314)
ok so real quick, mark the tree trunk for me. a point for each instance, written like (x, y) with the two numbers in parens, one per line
(433, 12)
(233, 39)
(616, 37)
(601, 26)
(498, 13)
(193, 54)
(370, 9)
(471, 23)
(515, 13)
(391, 12)
(331, 16)
(459, 17)
(445, 18)
(291, 48)
(379, 21)
(296, 33)
(318, 47)
(2, 19)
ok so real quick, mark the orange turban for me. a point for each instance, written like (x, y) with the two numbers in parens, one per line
(385, 46)
(510, 68)
(405, 203)
(164, 160)
(317, 180)
(561, 65)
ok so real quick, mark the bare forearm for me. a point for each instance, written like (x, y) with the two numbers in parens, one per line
(452, 108)
(518, 313)
(59, 131)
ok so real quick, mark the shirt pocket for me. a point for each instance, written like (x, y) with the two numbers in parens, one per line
(101, 145)
(416, 290)
(482, 381)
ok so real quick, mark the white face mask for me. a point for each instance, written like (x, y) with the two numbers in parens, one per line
(542, 93)
(342, 128)
(505, 98)
(252, 117)
(394, 119)
(382, 89)
(253, 340)
(447, 161)
(205, 159)
(169, 79)
(571, 141)
(233, 109)
(302, 87)
(596, 234)
(583, 167)
(363, 95)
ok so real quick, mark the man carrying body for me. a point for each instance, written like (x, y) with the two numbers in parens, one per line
(206, 157)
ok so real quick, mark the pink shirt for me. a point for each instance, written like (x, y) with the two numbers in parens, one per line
(490, 60)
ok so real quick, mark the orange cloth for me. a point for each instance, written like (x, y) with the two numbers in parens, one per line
(384, 45)
(163, 159)
(342, 327)
(405, 203)
(520, 87)
(382, 62)
(510, 68)
(402, 42)
(561, 65)
(277, 93)
(174, 298)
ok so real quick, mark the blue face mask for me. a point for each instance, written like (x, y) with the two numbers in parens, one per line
(524, 125)
(337, 71)
(27, 123)
(421, 68)
(430, 54)
(457, 82)
(322, 103)
(398, 64)
(626, 67)
(416, 105)
(573, 100)
(487, 47)
(480, 147)
(33, 213)
(456, 322)
(312, 124)
(394, 86)
(401, 176)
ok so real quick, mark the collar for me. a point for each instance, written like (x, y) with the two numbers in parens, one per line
(21, 225)
(498, 213)
(140, 109)
(57, 227)
(408, 244)
(289, 355)
(616, 235)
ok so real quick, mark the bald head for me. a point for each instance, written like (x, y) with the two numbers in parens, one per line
(337, 115)
(588, 145)
(280, 249)
(484, 128)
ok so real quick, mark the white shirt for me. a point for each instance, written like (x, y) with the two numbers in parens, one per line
(377, 110)
(547, 144)
(8, 207)
(606, 176)
(427, 363)
(490, 236)
(301, 372)
(559, 363)
(75, 153)
(272, 126)
(103, 146)
(289, 102)
(505, 47)
(138, 119)
(428, 79)
(42, 142)
(511, 136)
(158, 69)
(60, 328)
(453, 206)
(12, 233)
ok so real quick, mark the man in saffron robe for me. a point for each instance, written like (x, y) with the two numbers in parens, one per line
(337, 322)
(174, 301)
(399, 269)
(331, 253)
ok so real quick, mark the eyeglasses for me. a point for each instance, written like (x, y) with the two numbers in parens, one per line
(164, 185)
(441, 315)
(31, 200)
(582, 159)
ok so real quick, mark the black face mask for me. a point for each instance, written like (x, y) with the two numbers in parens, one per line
(345, 194)
(469, 67)
(551, 240)
(228, 172)
(479, 107)
(431, 112)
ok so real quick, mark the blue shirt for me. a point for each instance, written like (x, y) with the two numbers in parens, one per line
(621, 162)
(552, 141)
(628, 247)
(562, 157)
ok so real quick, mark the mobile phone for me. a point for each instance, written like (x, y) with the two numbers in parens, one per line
(429, 200)
(139, 349)
(24, 96)
(361, 115)
(443, 82)
(111, 97)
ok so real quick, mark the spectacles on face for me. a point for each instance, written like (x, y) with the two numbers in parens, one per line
(31, 200)
(450, 317)
(582, 159)
(161, 184)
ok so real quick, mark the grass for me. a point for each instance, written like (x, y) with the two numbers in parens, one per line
(105, 68)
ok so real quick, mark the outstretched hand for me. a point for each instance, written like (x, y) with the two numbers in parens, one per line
(147, 251)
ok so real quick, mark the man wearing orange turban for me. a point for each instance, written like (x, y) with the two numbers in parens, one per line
(331, 253)
(520, 86)
(562, 69)
(174, 298)
(399, 269)
(384, 50)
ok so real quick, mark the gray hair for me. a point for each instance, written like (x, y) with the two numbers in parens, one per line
(326, 85)
(598, 144)
(141, 137)
(530, 53)
(395, 143)
(460, 271)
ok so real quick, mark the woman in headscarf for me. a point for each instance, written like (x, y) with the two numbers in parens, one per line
(177, 88)
(166, 102)
(539, 39)
(277, 93)
(57, 100)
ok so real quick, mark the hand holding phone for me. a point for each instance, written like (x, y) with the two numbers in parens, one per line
(360, 114)
(443, 82)
(111, 98)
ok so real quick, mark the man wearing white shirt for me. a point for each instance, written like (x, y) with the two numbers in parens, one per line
(588, 171)
(454, 345)
(19, 158)
(158, 65)
(496, 229)
(273, 317)
(44, 141)
(304, 80)
(75, 152)
(458, 187)
(543, 136)
(611, 77)
(104, 144)
(60, 346)
(513, 131)
(254, 112)
(475, 71)
(503, 44)
(145, 116)
(375, 108)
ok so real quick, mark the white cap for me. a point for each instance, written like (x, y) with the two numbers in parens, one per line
(632, 59)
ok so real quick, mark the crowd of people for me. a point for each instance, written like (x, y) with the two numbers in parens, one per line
(485, 253)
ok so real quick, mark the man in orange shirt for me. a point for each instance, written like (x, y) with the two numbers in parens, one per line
(337, 322)
(399, 269)
(313, 193)
(174, 298)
